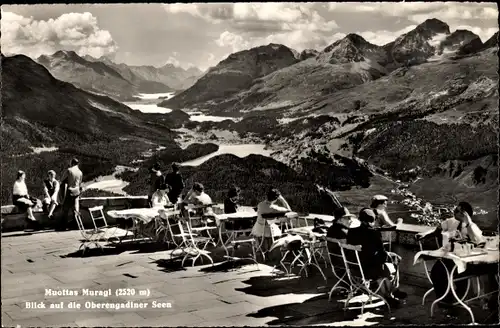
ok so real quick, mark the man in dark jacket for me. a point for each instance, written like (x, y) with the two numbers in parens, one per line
(176, 183)
(375, 260)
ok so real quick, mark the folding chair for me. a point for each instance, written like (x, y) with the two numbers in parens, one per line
(162, 226)
(190, 241)
(305, 250)
(90, 236)
(100, 223)
(175, 233)
(263, 238)
(357, 279)
(243, 240)
(205, 223)
(243, 228)
(341, 278)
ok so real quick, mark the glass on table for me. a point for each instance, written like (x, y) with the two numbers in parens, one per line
(491, 243)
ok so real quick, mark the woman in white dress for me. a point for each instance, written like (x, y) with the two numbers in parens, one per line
(266, 228)
(160, 199)
(20, 196)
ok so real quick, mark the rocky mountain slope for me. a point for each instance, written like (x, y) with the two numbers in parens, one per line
(38, 109)
(234, 74)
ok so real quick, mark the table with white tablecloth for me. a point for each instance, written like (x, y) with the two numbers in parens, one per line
(477, 256)
(140, 217)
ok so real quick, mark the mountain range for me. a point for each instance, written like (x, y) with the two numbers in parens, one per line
(119, 81)
(237, 84)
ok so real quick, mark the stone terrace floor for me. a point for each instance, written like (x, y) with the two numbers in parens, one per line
(200, 296)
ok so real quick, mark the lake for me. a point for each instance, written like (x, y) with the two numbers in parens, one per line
(241, 151)
(148, 103)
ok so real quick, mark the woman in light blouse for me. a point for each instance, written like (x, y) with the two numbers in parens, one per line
(274, 204)
(20, 196)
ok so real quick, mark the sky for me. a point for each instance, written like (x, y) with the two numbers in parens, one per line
(203, 34)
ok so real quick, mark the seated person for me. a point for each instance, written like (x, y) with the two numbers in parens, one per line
(197, 197)
(274, 204)
(160, 198)
(379, 205)
(21, 198)
(461, 226)
(51, 190)
(338, 230)
(376, 262)
(231, 202)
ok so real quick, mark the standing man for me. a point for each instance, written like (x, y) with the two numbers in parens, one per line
(72, 181)
(176, 183)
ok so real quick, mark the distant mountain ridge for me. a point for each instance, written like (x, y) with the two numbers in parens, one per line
(98, 76)
(119, 81)
(177, 78)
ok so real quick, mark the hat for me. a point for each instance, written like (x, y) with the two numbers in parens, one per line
(365, 215)
(342, 212)
(379, 197)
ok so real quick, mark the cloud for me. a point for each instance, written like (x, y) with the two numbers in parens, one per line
(418, 12)
(72, 31)
(247, 25)
(174, 61)
(259, 19)
(297, 40)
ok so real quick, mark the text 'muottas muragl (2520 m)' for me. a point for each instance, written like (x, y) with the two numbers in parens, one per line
(81, 303)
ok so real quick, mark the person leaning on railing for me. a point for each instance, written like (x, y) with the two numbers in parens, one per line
(377, 263)
(458, 225)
